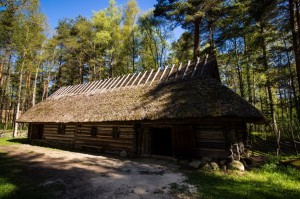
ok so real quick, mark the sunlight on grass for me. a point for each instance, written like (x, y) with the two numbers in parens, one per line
(6, 188)
(5, 142)
(271, 181)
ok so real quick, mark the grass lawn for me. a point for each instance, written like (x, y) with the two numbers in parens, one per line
(270, 181)
(16, 182)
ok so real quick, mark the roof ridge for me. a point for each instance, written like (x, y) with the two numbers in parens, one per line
(146, 78)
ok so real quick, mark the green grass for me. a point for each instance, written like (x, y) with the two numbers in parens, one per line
(16, 182)
(270, 181)
(10, 141)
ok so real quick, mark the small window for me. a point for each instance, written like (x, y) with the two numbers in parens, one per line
(61, 129)
(116, 132)
(94, 131)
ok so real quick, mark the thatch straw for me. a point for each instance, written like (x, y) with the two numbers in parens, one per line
(193, 98)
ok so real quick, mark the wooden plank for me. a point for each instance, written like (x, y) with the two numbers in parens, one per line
(154, 76)
(163, 74)
(178, 70)
(83, 86)
(113, 83)
(135, 79)
(131, 78)
(124, 81)
(170, 72)
(119, 82)
(205, 62)
(186, 69)
(195, 68)
(56, 93)
(108, 84)
(142, 78)
(149, 76)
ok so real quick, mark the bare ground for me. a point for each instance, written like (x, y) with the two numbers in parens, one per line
(92, 176)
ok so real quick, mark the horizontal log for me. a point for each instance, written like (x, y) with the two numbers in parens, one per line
(202, 137)
(105, 145)
(58, 137)
(97, 139)
(60, 141)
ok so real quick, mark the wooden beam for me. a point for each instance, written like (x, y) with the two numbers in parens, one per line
(154, 76)
(131, 78)
(136, 79)
(88, 86)
(60, 90)
(205, 62)
(80, 88)
(73, 89)
(112, 83)
(119, 82)
(67, 91)
(93, 84)
(163, 74)
(106, 84)
(142, 78)
(186, 69)
(101, 85)
(178, 70)
(96, 86)
(170, 72)
(195, 68)
(123, 82)
(149, 76)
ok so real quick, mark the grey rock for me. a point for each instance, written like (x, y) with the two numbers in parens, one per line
(236, 165)
(195, 164)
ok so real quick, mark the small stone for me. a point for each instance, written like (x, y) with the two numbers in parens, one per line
(214, 166)
(236, 165)
(123, 153)
(206, 167)
(195, 164)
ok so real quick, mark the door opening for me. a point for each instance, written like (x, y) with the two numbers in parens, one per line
(161, 142)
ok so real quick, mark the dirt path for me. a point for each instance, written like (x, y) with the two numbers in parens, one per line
(90, 176)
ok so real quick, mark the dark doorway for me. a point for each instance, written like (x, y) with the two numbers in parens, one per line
(161, 141)
(35, 131)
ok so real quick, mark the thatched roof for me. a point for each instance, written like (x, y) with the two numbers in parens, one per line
(156, 95)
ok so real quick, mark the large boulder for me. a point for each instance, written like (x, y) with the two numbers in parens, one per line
(206, 167)
(214, 166)
(236, 165)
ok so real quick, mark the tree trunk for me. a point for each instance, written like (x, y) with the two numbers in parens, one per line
(294, 23)
(239, 70)
(197, 38)
(15, 132)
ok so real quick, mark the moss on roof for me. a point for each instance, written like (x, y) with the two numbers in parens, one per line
(193, 98)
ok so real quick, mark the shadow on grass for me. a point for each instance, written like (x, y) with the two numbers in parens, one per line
(19, 140)
(253, 185)
(16, 182)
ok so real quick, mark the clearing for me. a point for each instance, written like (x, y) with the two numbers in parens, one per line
(78, 175)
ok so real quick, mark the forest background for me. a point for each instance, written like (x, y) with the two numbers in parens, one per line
(256, 43)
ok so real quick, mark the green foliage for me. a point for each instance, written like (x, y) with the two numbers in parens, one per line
(269, 182)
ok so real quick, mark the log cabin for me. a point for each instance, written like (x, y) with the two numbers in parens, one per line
(179, 112)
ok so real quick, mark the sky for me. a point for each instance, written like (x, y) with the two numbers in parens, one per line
(60, 9)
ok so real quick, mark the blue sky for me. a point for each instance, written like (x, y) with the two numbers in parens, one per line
(60, 9)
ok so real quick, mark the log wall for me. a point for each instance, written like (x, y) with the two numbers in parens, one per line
(124, 138)
(51, 134)
(210, 140)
